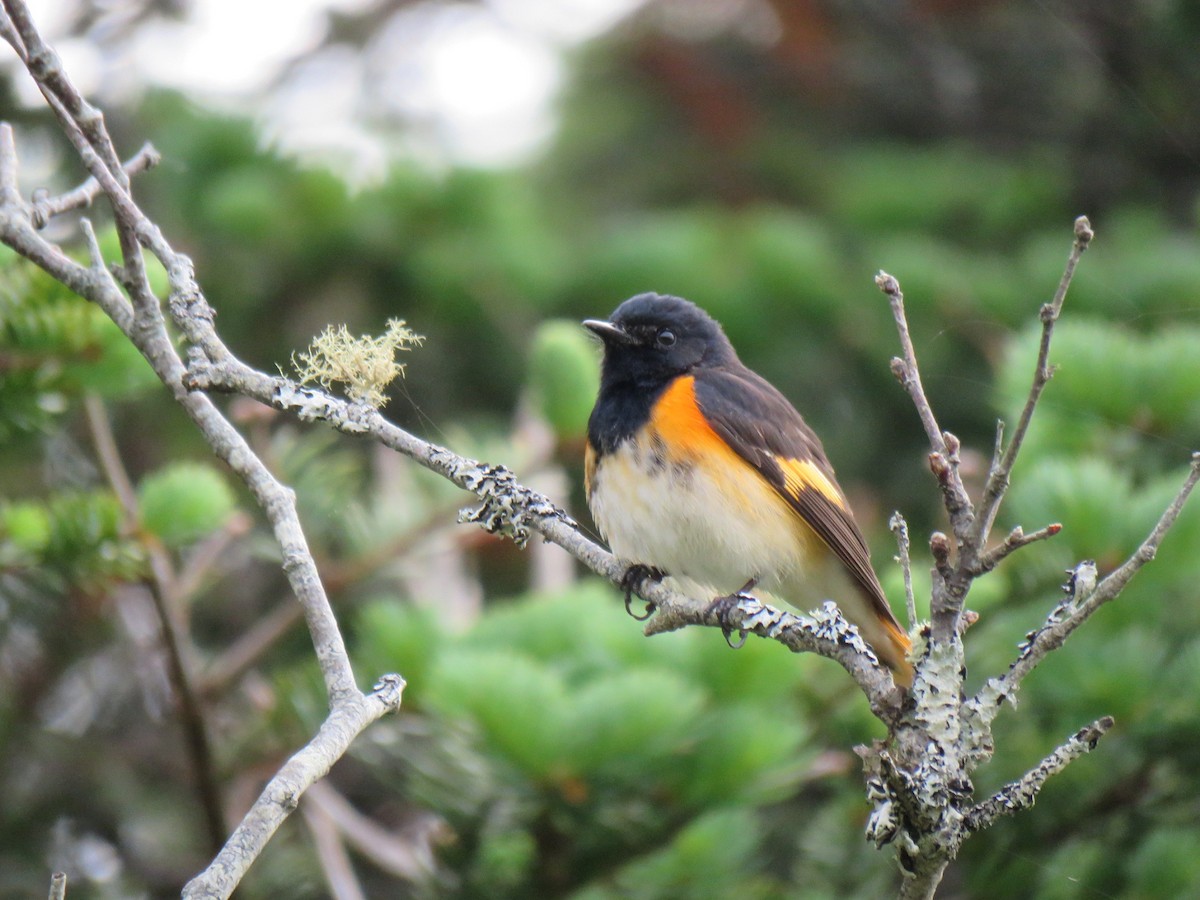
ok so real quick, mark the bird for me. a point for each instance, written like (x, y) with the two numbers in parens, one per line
(699, 469)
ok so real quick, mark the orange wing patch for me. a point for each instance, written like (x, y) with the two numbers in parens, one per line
(801, 475)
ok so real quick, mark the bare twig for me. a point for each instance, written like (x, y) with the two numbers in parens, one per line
(405, 857)
(899, 528)
(45, 207)
(1084, 598)
(1017, 538)
(943, 459)
(331, 853)
(58, 886)
(905, 368)
(249, 648)
(207, 553)
(1002, 465)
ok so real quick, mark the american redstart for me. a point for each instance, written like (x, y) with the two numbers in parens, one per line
(699, 469)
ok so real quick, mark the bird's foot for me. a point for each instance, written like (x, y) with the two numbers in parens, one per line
(635, 576)
(721, 607)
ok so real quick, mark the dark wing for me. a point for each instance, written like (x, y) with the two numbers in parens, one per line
(765, 430)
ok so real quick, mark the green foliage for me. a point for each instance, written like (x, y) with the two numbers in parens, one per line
(1112, 388)
(608, 738)
(55, 346)
(563, 376)
(708, 859)
(71, 540)
(183, 502)
(952, 190)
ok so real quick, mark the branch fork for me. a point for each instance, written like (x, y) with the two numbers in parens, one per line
(920, 782)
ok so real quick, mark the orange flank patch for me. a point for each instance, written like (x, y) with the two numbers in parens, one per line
(686, 433)
(677, 414)
(803, 474)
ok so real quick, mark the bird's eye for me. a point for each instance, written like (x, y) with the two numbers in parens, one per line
(665, 338)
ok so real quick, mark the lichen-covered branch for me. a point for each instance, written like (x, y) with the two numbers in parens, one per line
(1084, 595)
(920, 781)
(1021, 794)
(132, 304)
(510, 508)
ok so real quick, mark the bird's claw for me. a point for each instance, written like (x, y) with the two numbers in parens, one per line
(635, 576)
(721, 607)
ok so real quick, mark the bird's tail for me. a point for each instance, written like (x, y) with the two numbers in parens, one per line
(892, 651)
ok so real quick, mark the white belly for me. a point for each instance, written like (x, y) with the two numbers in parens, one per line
(716, 529)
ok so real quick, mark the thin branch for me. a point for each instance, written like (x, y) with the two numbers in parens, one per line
(507, 506)
(205, 555)
(113, 301)
(905, 369)
(47, 70)
(10, 194)
(109, 456)
(410, 858)
(45, 207)
(1109, 587)
(944, 457)
(1002, 466)
(283, 792)
(331, 853)
(84, 127)
(249, 648)
(1021, 794)
(899, 528)
(58, 886)
(1084, 597)
(1017, 538)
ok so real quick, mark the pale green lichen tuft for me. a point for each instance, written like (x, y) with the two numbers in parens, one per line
(365, 365)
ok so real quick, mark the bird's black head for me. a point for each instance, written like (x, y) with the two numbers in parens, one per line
(652, 338)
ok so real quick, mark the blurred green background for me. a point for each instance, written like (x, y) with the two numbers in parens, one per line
(763, 158)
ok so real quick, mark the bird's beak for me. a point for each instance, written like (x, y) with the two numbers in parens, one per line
(607, 331)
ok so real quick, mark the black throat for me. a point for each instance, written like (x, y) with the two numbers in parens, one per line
(622, 410)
